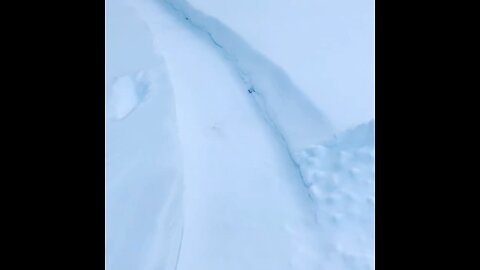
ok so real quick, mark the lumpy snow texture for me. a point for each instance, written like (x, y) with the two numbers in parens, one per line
(226, 139)
(340, 179)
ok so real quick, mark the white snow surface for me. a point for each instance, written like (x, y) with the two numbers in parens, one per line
(340, 179)
(325, 46)
(218, 155)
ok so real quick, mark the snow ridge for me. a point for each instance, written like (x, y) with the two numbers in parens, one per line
(338, 173)
(144, 174)
(297, 121)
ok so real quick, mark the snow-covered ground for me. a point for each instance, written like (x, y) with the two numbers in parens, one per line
(325, 46)
(219, 154)
(144, 177)
(340, 178)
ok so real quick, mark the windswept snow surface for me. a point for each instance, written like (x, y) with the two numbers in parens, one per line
(203, 174)
(325, 46)
(144, 178)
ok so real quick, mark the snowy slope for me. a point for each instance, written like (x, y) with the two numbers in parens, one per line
(144, 177)
(325, 46)
(203, 174)
(243, 195)
(280, 101)
(143, 165)
(340, 179)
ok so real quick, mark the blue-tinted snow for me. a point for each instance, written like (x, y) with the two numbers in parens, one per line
(126, 94)
(340, 179)
(203, 174)
(143, 178)
(325, 46)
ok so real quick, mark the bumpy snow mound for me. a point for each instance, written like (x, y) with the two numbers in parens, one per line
(340, 179)
(127, 92)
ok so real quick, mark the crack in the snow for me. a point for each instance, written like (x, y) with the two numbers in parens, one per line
(179, 249)
(284, 93)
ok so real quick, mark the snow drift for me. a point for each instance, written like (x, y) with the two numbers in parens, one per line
(216, 159)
